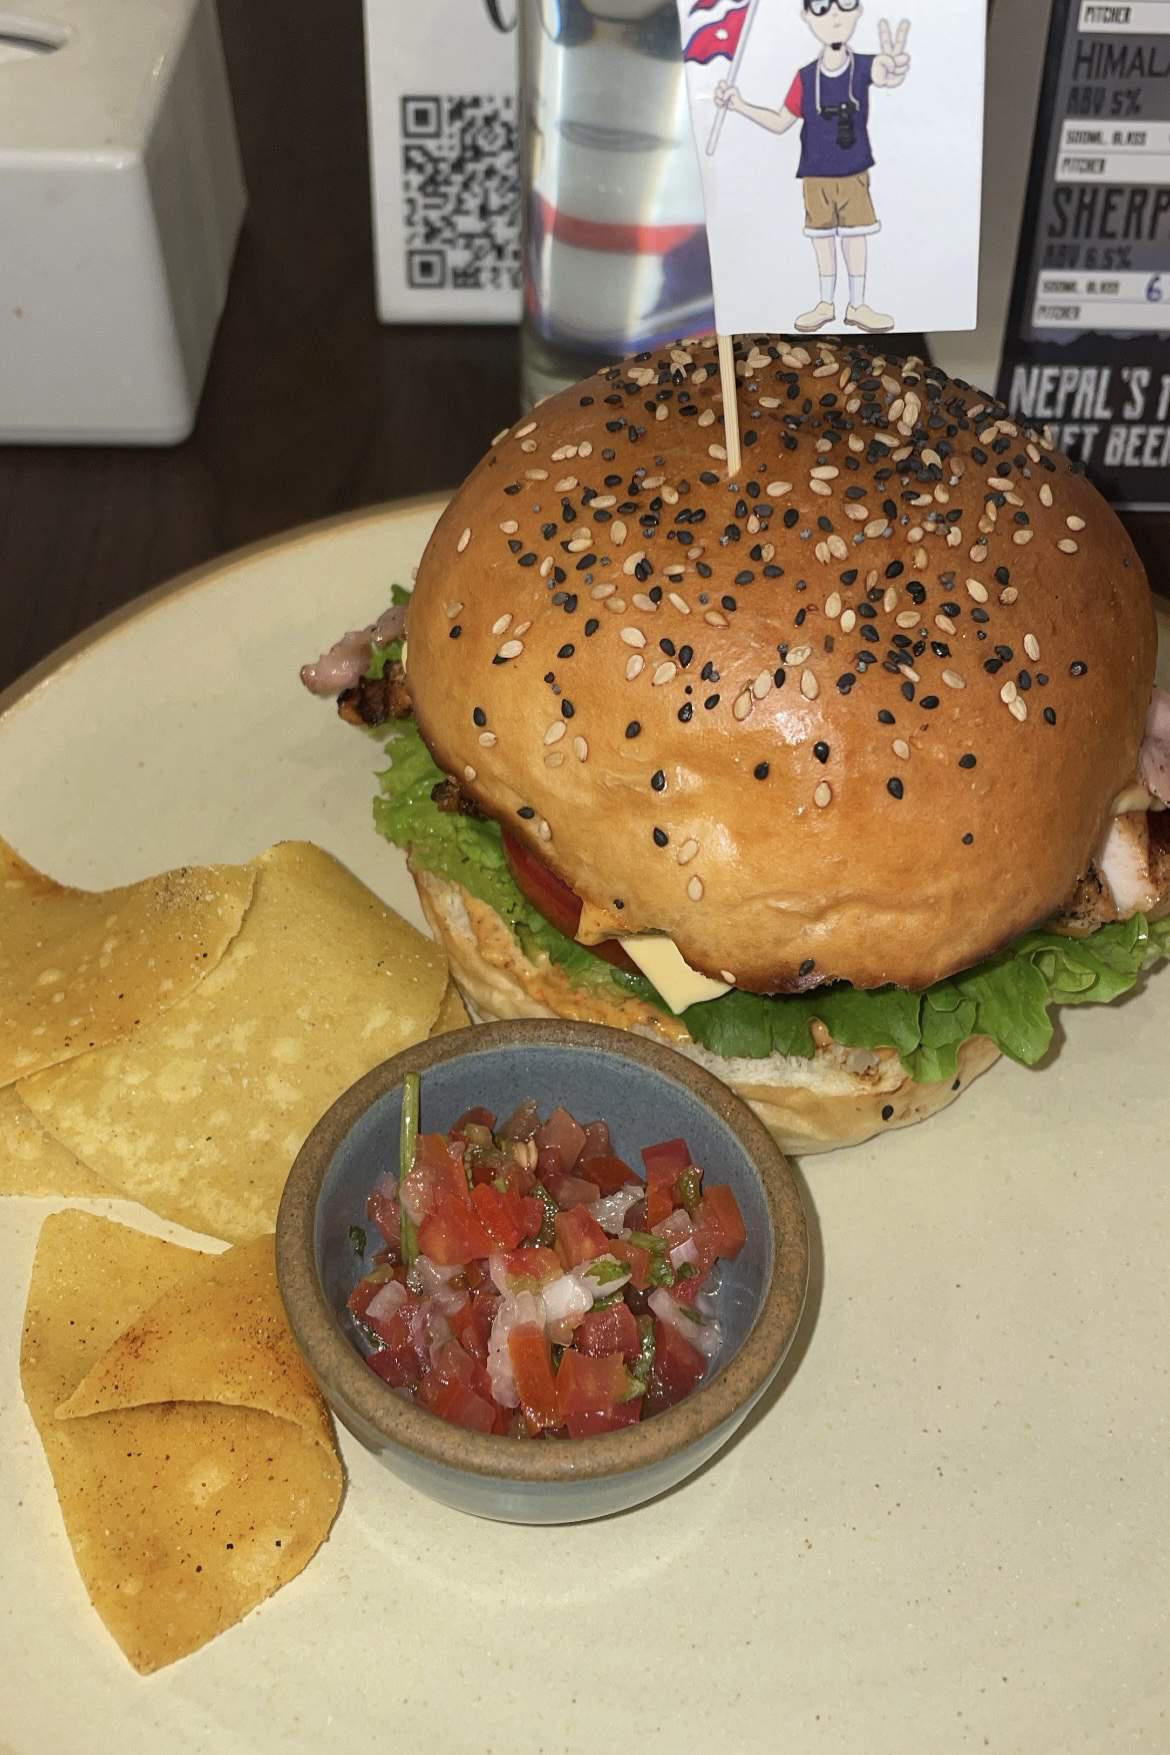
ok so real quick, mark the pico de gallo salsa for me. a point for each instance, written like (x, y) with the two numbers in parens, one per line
(531, 1283)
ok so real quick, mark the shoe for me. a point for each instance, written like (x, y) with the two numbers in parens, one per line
(816, 318)
(861, 317)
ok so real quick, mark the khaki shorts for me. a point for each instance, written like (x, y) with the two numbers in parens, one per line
(839, 207)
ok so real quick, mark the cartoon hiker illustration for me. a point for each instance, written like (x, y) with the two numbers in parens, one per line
(830, 100)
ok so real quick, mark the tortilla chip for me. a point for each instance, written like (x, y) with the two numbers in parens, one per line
(452, 1016)
(192, 1456)
(200, 1113)
(82, 968)
(33, 1162)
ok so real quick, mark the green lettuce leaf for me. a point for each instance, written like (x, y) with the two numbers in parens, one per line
(1009, 997)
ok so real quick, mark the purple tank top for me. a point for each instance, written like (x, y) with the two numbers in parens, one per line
(823, 151)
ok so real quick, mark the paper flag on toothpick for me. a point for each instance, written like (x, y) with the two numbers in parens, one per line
(841, 156)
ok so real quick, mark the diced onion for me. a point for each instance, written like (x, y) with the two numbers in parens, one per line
(512, 1313)
(706, 1336)
(686, 1251)
(610, 1211)
(429, 1276)
(569, 1298)
(388, 1299)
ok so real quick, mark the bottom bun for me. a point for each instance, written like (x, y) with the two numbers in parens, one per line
(837, 1097)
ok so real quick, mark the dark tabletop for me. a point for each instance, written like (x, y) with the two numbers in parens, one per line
(311, 406)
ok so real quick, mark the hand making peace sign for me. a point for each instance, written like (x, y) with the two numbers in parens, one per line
(891, 66)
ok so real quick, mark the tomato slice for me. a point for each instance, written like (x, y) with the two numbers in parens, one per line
(719, 1225)
(535, 1383)
(552, 897)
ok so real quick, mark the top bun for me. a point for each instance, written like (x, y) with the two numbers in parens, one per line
(859, 714)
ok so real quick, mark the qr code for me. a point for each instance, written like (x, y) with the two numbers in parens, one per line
(461, 192)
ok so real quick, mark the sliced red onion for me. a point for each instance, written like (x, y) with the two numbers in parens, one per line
(388, 1299)
(610, 1211)
(347, 660)
(686, 1251)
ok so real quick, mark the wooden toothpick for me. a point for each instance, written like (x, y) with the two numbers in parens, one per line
(730, 405)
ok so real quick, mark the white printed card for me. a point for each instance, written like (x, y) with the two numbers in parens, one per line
(841, 154)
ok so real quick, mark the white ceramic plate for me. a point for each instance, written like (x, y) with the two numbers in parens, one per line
(947, 1531)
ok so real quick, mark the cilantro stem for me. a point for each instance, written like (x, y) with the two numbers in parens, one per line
(407, 1141)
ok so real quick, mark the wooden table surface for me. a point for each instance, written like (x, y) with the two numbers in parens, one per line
(311, 406)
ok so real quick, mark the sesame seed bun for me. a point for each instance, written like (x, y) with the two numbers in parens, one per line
(859, 715)
(839, 1097)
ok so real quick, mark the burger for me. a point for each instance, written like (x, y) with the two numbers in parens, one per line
(836, 771)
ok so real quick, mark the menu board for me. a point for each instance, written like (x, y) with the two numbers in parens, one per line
(1087, 348)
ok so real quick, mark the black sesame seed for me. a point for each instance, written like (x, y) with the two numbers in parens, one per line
(967, 839)
(807, 967)
(887, 1111)
(1050, 715)
(929, 701)
(760, 770)
(791, 517)
(967, 761)
(1077, 667)
(660, 837)
(780, 676)
(591, 627)
(658, 781)
(711, 701)
(821, 751)
(565, 651)
(529, 559)
(633, 728)
(685, 712)
(455, 632)
(478, 715)
(895, 568)
(745, 577)
(526, 811)
(885, 717)
(894, 787)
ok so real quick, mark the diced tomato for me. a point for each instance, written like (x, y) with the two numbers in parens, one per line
(473, 1118)
(678, 1366)
(664, 1163)
(472, 1324)
(397, 1359)
(575, 1191)
(366, 1289)
(394, 1368)
(454, 1234)
(579, 1237)
(607, 1420)
(451, 1363)
(437, 1173)
(597, 1144)
(549, 1162)
(507, 1218)
(610, 1174)
(638, 1260)
(719, 1223)
(591, 1385)
(535, 1383)
(612, 1330)
(382, 1210)
(686, 1290)
(561, 1133)
(529, 1269)
(457, 1403)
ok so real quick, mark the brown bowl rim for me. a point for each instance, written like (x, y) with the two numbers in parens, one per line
(347, 1379)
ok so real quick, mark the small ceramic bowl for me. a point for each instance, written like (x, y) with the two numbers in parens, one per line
(646, 1093)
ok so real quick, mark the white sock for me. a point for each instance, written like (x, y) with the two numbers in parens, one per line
(856, 290)
(828, 288)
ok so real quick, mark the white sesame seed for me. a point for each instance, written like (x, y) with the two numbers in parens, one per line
(536, 475)
(718, 452)
(901, 748)
(695, 889)
(680, 603)
(1018, 708)
(1066, 545)
(555, 759)
(602, 503)
(464, 539)
(563, 453)
(1075, 523)
(944, 624)
(1008, 692)
(555, 731)
(953, 680)
(632, 562)
(707, 418)
(635, 665)
(908, 671)
(920, 557)
(1032, 646)
(488, 739)
(823, 795)
(633, 637)
(546, 566)
(469, 773)
(848, 621)
(978, 553)
(509, 527)
(521, 629)
(617, 532)
(809, 687)
(566, 485)
(725, 974)
(820, 487)
(714, 619)
(600, 592)
(743, 704)
(976, 590)
(1000, 483)
(663, 673)
(877, 527)
(529, 445)
(669, 494)
(778, 488)
(1020, 537)
(501, 624)
(687, 851)
(1045, 494)
(502, 434)
(543, 830)
(585, 449)
(452, 610)
(838, 547)
(661, 412)
(890, 603)
(1008, 594)
(580, 749)
(528, 427)
(762, 684)
(642, 602)
(907, 618)
(822, 553)
(833, 605)
(511, 649)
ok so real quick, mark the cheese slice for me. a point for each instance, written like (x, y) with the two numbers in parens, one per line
(661, 961)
